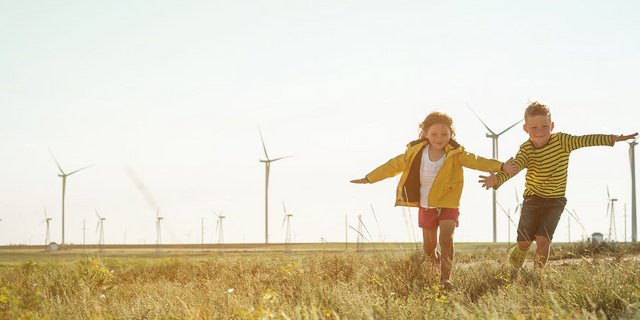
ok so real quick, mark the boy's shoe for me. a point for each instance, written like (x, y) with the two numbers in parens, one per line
(447, 285)
(517, 256)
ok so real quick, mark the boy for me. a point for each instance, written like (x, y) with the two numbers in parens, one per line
(546, 157)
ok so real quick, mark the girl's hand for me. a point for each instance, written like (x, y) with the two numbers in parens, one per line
(623, 137)
(510, 167)
(360, 181)
(489, 181)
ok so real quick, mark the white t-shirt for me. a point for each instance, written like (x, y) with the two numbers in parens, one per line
(428, 171)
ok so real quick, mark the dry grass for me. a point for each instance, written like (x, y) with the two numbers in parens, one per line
(331, 285)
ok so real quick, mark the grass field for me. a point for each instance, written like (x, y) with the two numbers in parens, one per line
(314, 281)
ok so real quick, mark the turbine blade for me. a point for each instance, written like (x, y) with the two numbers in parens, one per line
(513, 125)
(56, 160)
(608, 196)
(608, 206)
(477, 116)
(79, 170)
(97, 226)
(284, 209)
(149, 198)
(97, 214)
(283, 221)
(263, 146)
(276, 159)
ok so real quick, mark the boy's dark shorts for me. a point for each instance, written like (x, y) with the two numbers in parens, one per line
(539, 216)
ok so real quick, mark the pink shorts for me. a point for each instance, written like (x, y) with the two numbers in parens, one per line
(430, 218)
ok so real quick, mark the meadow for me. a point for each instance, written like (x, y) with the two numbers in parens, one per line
(583, 281)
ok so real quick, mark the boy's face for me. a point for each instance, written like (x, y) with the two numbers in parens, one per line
(539, 129)
(438, 135)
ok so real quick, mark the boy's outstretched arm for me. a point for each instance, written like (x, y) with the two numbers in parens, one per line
(360, 181)
(623, 137)
(489, 181)
(510, 167)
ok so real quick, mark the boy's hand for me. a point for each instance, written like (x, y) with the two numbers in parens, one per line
(510, 167)
(623, 137)
(360, 181)
(489, 181)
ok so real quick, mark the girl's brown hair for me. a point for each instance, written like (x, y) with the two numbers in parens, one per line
(436, 117)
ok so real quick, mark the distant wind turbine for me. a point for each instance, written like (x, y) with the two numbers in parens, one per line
(151, 202)
(494, 137)
(612, 216)
(219, 229)
(632, 161)
(64, 176)
(158, 230)
(286, 220)
(100, 226)
(47, 238)
(267, 164)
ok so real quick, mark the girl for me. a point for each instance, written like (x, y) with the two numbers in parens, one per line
(432, 180)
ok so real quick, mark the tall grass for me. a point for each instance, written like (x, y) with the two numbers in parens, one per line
(362, 285)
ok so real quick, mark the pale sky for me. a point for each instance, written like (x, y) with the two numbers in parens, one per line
(176, 90)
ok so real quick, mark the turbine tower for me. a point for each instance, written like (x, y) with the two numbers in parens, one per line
(632, 160)
(47, 238)
(64, 176)
(267, 165)
(158, 230)
(494, 137)
(286, 220)
(219, 230)
(100, 226)
(612, 216)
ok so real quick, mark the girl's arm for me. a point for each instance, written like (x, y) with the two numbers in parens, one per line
(391, 168)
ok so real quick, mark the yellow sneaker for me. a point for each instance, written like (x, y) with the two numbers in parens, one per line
(517, 256)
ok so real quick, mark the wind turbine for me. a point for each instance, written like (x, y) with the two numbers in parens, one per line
(494, 137)
(267, 165)
(158, 230)
(100, 226)
(219, 229)
(286, 220)
(47, 238)
(632, 160)
(151, 202)
(64, 176)
(612, 216)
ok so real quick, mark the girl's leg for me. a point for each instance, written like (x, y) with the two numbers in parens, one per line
(446, 246)
(429, 243)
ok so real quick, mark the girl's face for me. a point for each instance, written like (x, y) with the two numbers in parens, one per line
(439, 135)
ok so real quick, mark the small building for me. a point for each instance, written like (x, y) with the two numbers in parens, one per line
(53, 246)
(597, 238)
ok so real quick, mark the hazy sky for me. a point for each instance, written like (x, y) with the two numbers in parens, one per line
(175, 91)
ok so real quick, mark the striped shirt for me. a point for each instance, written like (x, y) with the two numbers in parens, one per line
(547, 167)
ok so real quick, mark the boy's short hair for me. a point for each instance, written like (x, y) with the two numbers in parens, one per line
(537, 109)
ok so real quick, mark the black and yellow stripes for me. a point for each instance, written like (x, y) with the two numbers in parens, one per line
(547, 167)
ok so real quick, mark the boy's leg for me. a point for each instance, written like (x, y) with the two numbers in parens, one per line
(447, 228)
(549, 219)
(527, 225)
(543, 247)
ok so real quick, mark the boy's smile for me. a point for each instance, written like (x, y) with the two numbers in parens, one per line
(539, 129)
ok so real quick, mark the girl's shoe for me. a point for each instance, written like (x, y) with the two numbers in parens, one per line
(517, 256)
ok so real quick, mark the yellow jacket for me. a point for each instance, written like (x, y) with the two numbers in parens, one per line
(447, 186)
